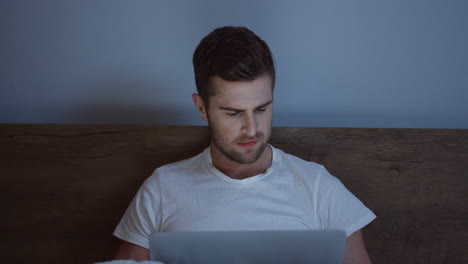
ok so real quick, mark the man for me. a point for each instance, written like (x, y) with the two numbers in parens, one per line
(240, 182)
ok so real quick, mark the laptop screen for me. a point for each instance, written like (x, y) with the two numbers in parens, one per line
(244, 247)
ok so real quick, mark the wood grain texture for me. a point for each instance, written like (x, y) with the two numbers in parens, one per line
(63, 188)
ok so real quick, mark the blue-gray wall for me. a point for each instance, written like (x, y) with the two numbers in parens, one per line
(389, 63)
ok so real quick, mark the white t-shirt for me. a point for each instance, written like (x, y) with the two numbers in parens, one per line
(192, 195)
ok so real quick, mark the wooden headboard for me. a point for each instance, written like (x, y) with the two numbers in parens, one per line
(65, 187)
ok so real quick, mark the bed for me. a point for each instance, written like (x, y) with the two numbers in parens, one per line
(65, 187)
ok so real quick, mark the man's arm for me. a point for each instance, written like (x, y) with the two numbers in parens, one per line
(355, 250)
(131, 251)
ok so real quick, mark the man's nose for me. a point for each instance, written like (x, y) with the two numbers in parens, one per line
(250, 125)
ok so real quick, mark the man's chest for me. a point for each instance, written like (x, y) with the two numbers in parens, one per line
(261, 208)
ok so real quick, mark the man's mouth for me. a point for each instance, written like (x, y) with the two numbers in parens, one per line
(248, 144)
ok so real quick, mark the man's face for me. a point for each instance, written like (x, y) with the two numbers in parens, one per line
(239, 117)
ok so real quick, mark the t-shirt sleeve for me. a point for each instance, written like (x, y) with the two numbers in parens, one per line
(142, 217)
(339, 208)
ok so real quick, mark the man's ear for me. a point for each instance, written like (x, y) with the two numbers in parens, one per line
(200, 106)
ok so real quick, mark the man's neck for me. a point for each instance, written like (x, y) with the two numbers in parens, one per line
(237, 170)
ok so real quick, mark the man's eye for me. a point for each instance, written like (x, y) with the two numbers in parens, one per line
(232, 114)
(261, 109)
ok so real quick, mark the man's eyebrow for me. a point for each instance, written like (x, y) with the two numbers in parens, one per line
(242, 110)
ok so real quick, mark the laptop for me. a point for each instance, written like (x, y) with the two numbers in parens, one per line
(248, 247)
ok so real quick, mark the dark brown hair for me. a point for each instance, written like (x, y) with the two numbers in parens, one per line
(233, 54)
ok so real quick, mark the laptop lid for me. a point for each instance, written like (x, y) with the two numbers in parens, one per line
(245, 247)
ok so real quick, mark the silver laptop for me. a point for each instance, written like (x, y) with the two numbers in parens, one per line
(248, 247)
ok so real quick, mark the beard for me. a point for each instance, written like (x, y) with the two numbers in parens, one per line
(231, 153)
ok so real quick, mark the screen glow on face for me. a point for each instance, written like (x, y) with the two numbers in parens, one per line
(239, 118)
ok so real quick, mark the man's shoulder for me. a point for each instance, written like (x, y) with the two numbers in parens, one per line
(292, 160)
(306, 170)
(181, 166)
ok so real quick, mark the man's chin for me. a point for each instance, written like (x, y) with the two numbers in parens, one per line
(251, 155)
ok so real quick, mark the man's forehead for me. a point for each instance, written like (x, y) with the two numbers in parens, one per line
(216, 81)
(241, 102)
(241, 92)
